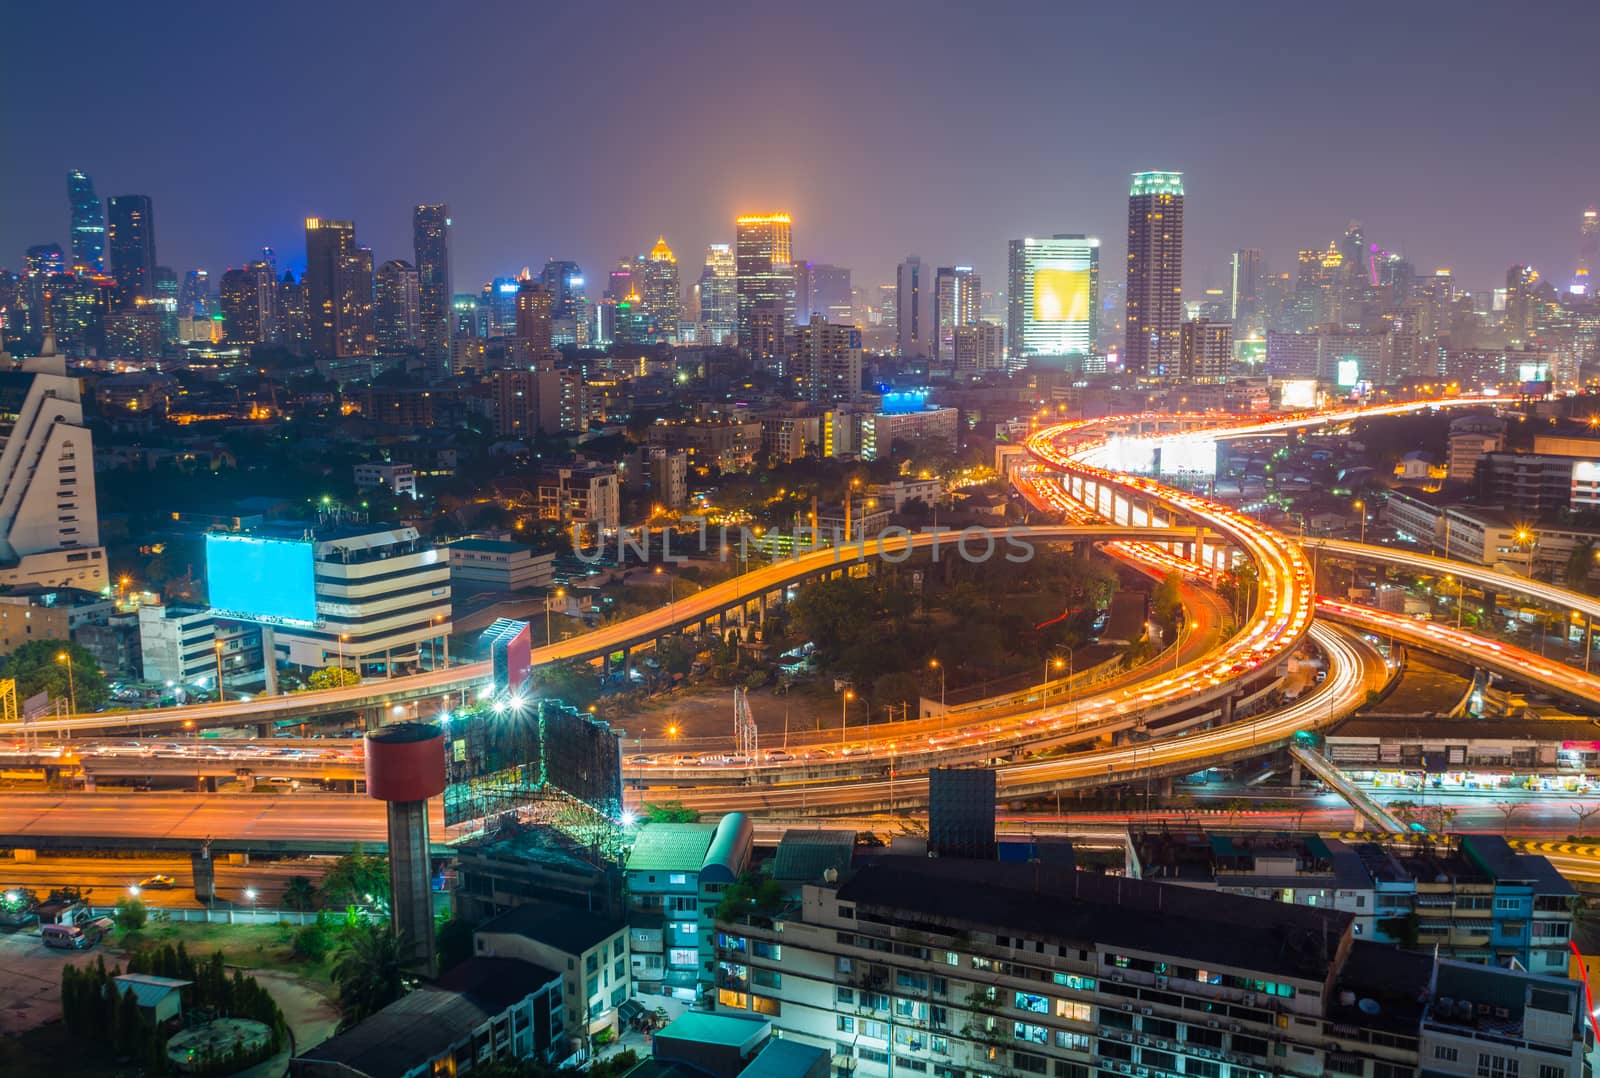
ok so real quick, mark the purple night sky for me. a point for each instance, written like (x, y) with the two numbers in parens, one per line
(1461, 135)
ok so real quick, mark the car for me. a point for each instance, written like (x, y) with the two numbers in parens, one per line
(816, 754)
(159, 882)
(642, 761)
(776, 756)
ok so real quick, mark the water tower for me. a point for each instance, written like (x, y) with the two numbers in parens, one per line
(405, 767)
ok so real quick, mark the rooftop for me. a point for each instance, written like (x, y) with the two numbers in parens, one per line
(490, 546)
(148, 989)
(566, 928)
(804, 855)
(671, 847)
(1055, 902)
(720, 1029)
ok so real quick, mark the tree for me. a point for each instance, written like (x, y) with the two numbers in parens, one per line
(1580, 564)
(369, 973)
(669, 812)
(1507, 810)
(332, 677)
(131, 913)
(299, 893)
(1583, 813)
(37, 667)
(355, 878)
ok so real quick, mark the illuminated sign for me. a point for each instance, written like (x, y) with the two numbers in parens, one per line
(509, 286)
(1349, 373)
(904, 401)
(270, 581)
(1533, 372)
(1296, 393)
(1060, 295)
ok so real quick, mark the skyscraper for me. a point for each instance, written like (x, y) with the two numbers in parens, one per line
(131, 239)
(533, 328)
(908, 308)
(829, 293)
(1246, 271)
(357, 334)
(957, 301)
(1155, 274)
(44, 260)
(398, 316)
(430, 244)
(765, 280)
(1522, 299)
(659, 296)
(719, 295)
(194, 295)
(1588, 252)
(88, 223)
(248, 298)
(327, 243)
(564, 281)
(1205, 351)
(1053, 297)
(826, 360)
(464, 313)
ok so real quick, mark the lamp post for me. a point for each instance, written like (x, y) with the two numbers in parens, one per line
(1055, 662)
(221, 695)
(844, 703)
(250, 894)
(342, 638)
(559, 593)
(72, 682)
(1361, 505)
(1527, 537)
(445, 637)
(933, 664)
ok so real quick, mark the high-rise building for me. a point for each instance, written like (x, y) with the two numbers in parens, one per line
(908, 318)
(719, 294)
(430, 244)
(166, 303)
(564, 281)
(49, 524)
(131, 239)
(1522, 287)
(497, 307)
(979, 348)
(826, 360)
(44, 260)
(398, 318)
(1246, 272)
(1053, 297)
(659, 296)
(194, 296)
(829, 294)
(327, 244)
(1155, 274)
(1205, 351)
(357, 332)
(294, 314)
(533, 328)
(957, 301)
(464, 314)
(248, 298)
(88, 223)
(763, 258)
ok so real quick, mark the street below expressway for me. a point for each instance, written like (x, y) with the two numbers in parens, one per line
(105, 879)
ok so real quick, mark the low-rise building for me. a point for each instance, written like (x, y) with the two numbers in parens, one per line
(894, 496)
(397, 478)
(32, 612)
(931, 426)
(498, 565)
(178, 643)
(1483, 1020)
(485, 1009)
(585, 495)
(590, 950)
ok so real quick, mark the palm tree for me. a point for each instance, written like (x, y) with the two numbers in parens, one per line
(299, 893)
(369, 972)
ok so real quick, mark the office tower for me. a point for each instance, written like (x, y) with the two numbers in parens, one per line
(1583, 281)
(533, 306)
(44, 260)
(829, 293)
(497, 307)
(294, 313)
(248, 298)
(564, 281)
(1246, 270)
(719, 294)
(1053, 297)
(979, 348)
(763, 258)
(957, 301)
(430, 246)
(327, 244)
(49, 524)
(88, 223)
(194, 297)
(1522, 286)
(908, 308)
(357, 334)
(659, 297)
(1205, 351)
(398, 317)
(464, 315)
(826, 360)
(166, 302)
(131, 240)
(1155, 274)
(888, 306)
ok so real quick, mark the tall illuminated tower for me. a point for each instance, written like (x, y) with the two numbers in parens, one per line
(1155, 274)
(88, 223)
(658, 291)
(397, 318)
(763, 255)
(327, 245)
(957, 301)
(131, 239)
(1052, 297)
(719, 296)
(430, 242)
(1588, 252)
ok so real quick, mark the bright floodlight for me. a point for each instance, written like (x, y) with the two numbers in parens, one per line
(499, 707)
(133, 889)
(250, 893)
(629, 818)
(444, 717)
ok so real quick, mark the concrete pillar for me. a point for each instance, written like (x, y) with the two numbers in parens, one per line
(269, 661)
(263, 729)
(25, 856)
(249, 783)
(88, 782)
(1227, 709)
(205, 875)
(1294, 773)
(238, 859)
(372, 718)
(410, 881)
(208, 784)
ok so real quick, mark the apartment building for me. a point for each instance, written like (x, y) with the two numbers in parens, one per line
(590, 951)
(587, 495)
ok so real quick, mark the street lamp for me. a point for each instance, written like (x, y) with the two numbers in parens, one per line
(1361, 505)
(559, 593)
(342, 638)
(250, 893)
(933, 664)
(72, 683)
(441, 618)
(844, 702)
(221, 694)
(133, 890)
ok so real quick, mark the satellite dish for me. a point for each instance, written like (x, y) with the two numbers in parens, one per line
(830, 875)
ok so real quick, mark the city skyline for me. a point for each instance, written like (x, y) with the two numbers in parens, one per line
(869, 198)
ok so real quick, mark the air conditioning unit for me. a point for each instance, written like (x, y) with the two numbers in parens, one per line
(1163, 1044)
(1161, 982)
(1211, 1023)
(1233, 1027)
(1127, 1006)
(1146, 1010)
(1144, 1040)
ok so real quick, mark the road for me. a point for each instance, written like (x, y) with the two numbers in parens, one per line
(242, 817)
(106, 879)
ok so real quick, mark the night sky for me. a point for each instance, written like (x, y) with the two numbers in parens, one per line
(1461, 134)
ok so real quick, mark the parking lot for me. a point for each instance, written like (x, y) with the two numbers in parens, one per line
(30, 979)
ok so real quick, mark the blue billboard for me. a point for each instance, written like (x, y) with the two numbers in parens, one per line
(267, 580)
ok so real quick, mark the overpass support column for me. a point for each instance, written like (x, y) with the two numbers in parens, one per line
(1227, 709)
(208, 784)
(1200, 547)
(205, 875)
(1294, 774)
(263, 729)
(25, 856)
(88, 782)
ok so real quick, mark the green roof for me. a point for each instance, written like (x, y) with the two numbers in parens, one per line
(671, 847)
(803, 856)
(721, 1029)
(1156, 183)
